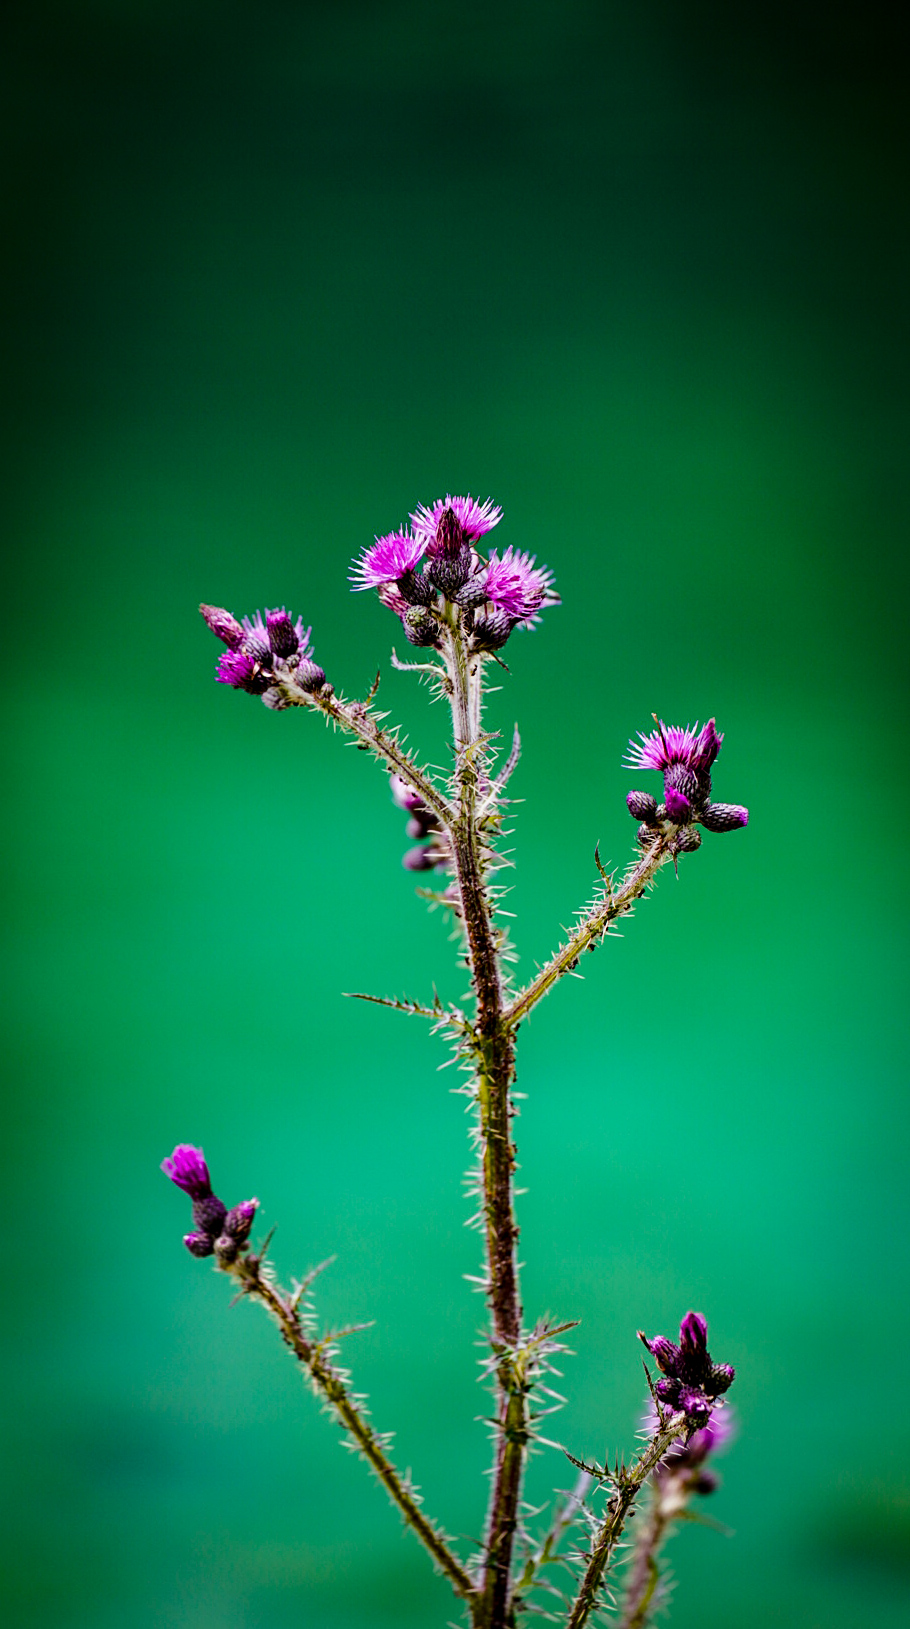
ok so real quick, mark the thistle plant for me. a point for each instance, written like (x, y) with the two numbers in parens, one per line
(459, 603)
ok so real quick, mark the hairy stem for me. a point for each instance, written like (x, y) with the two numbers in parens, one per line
(591, 929)
(619, 1505)
(644, 1575)
(495, 1071)
(327, 1381)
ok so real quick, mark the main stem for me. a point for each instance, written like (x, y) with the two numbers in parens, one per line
(495, 1071)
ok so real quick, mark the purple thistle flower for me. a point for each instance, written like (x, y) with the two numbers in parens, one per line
(693, 1382)
(671, 744)
(685, 758)
(242, 671)
(199, 1244)
(519, 587)
(239, 1221)
(223, 625)
(474, 520)
(186, 1168)
(387, 559)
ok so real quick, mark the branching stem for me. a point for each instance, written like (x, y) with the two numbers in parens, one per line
(619, 1505)
(327, 1381)
(595, 924)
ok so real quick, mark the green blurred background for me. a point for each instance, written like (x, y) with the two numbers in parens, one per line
(274, 274)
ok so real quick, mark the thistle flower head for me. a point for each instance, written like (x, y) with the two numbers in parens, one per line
(515, 585)
(672, 744)
(445, 525)
(387, 559)
(691, 1381)
(264, 652)
(186, 1168)
(684, 756)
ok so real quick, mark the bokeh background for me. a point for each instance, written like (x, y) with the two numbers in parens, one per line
(272, 275)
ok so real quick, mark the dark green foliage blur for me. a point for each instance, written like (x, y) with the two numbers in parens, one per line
(272, 275)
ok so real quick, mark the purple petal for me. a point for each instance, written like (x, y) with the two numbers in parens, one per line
(474, 518)
(387, 559)
(187, 1168)
(679, 808)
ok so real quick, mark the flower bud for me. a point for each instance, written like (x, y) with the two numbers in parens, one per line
(223, 625)
(681, 780)
(474, 591)
(687, 840)
(641, 806)
(309, 675)
(724, 816)
(420, 859)
(198, 1244)
(450, 571)
(420, 627)
(226, 1249)
(239, 1221)
(415, 588)
(492, 629)
(282, 633)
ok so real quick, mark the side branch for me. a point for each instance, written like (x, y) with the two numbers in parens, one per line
(356, 718)
(592, 928)
(626, 1488)
(326, 1380)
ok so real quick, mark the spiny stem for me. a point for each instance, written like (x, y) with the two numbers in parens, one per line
(326, 1379)
(644, 1576)
(606, 910)
(495, 1070)
(620, 1503)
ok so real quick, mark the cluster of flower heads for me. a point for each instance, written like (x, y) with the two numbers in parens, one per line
(422, 825)
(691, 1382)
(684, 757)
(217, 1231)
(264, 656)
(496, 594)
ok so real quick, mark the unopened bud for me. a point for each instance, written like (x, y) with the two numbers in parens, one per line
(724, 816)
(274, 699)
(239, 1221)
(449, 572)
(226, 1248)
(420, 627)
(679, 809)
(223, 625)
(198, 1244)
(415, 588)
(282, 633)
(420, 859)
(682, 780)
(309, 675)
(492, 629)
(641, 806)
(687, 840)
(474, 591)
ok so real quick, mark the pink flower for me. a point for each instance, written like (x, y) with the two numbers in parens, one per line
(473, 518)
(387, 559)
(515, 585)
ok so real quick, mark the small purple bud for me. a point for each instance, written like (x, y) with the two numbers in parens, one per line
(420, 628)
(664, 1353)
(186, 1168)
(695, 1405)
(450, 571)
(721, 1378)
(415, 588)
(420, 859)
(223, 625)
(449, 533)
(492, 629)
(275, 700)
(226, 1248)
(704, 1483)
(404, 795)
(474, 591)
(724, 816)
(282, 633)
(641, 806)
(239, 1221)
(209, 1214)
(679, 809)
(693, 1333)
(198, 1244)
(687, 840)
(309, 675)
